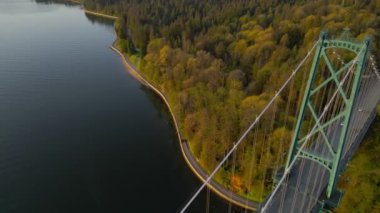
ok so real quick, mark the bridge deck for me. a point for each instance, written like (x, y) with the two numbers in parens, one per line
(303, 196)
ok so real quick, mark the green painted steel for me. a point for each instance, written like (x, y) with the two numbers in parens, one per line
(362, 55)
(306, 97)
(331, 163)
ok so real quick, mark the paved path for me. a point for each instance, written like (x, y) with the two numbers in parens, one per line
(99, 14)
(217, 188)
(191, 161)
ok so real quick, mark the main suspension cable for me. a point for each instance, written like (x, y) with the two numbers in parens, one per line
(249, 129)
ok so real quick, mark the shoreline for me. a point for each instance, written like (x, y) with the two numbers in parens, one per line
(75, 1)
(99, 14)
(186, 153)
(190, 160)
(92, 12)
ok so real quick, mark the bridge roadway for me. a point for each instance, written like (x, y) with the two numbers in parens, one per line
(304, 198)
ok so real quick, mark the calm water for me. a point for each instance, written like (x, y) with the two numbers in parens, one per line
(77, 133)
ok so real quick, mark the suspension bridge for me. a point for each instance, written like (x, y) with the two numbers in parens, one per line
(338, 105)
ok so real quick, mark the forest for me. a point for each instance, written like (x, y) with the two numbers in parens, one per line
(219, 61)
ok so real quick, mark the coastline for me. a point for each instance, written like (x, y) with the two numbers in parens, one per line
(99, 14)
(75, 1)
(92, 12)
(190, 160)
(187, 155)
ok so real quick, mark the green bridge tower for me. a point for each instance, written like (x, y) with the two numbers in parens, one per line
(359, 50)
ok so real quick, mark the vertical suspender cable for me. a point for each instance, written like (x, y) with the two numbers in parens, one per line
(247, 131)
(307, 138)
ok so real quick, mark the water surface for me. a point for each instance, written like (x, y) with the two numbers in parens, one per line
(77, 133)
